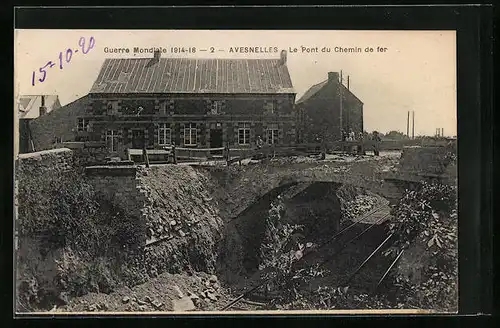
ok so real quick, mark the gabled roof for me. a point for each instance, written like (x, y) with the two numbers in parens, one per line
(28, 106)
(186, 75)
(312, 91)
(318, 87)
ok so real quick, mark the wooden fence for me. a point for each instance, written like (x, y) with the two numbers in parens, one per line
(173, 154)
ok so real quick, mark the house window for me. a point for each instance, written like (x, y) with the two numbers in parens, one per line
(190, 134)
(270, 107)
(113, 107)
(216, 107)
(164, 135)
(83, 125)
(244, 134)
(112, 140)
(272, 135)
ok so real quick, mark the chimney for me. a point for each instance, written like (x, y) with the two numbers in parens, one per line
(333, 77)
(347, 82)
(155, 59)
(43, 109)
(283, 57)
(157, 55)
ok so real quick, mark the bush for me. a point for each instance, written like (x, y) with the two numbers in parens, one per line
(279, 253)
(428, 217)
(422, 211)
(61, 211)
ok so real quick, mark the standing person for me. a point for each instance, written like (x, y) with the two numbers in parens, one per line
(376, 140)
(260, 142)
(352, 137)
(343, 136)
(361, 148)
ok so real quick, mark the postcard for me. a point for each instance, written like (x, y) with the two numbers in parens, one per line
(235, 171)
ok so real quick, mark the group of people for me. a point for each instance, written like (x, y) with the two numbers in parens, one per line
(351, 136)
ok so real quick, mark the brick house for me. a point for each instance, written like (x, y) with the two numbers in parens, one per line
(198, 103)
(322, 113)
(58, 125)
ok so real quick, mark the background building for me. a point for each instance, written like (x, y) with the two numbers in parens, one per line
(328, 107)
(59, 125)
(200, 103)
(30, 107)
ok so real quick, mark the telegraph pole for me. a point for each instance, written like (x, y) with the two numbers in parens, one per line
(408, 125)
(413, 125)
(341, 103)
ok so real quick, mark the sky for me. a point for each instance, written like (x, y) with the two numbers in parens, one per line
(416, 72)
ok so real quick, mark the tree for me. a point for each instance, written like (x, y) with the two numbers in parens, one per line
(395, 135)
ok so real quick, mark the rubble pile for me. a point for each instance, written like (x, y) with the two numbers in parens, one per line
(167, 292)
(183, 224)
(360, 205)
(176, 201)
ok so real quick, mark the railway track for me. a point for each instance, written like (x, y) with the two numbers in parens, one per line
(340, 240)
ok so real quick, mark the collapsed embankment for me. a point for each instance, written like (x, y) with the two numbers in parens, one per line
(112, 227)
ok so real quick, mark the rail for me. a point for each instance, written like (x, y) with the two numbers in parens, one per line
(331, 239)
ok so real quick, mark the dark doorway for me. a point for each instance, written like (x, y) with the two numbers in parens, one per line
(137, 139)
(216, 141)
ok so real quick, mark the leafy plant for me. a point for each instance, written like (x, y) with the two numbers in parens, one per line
(428, 217)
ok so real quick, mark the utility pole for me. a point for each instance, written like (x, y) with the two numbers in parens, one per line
(408, 125)
(341, 103)
(413, 125)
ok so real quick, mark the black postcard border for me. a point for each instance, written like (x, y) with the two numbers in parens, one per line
(474, 98)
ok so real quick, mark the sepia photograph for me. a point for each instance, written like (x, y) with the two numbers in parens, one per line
(235, 171)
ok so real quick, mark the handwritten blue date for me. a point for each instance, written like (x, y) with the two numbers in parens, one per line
(64, 58)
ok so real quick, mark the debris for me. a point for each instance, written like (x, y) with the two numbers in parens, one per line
(183, 304)
(213, 279)
(193, 296)
(211, 296)
(141, 302)
(142, 308)
(147, 299)
(157, 304)
(125, 299)
(179, 291)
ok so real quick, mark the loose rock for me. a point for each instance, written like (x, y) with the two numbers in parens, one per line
(141, 302)
(126, 299)
(183, 304)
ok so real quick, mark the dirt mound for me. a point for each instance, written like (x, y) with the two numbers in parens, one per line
(181, 216)
(167, 292)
